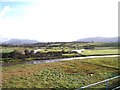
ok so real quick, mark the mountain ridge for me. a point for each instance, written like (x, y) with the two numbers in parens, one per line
(100, 39)
(28, 41)
(20, 41)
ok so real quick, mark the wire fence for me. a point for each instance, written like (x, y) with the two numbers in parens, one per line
(104, 81)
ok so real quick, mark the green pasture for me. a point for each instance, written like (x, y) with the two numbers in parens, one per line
(6, 50)
(100, 52)
(70, 55)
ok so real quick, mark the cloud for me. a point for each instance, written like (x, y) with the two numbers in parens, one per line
(5, 10)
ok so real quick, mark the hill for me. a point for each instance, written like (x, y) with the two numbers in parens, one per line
(99, 39)
(20, 41)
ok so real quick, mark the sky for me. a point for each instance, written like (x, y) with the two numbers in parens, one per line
(58, 20)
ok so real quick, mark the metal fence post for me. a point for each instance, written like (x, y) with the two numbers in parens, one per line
(106, 85)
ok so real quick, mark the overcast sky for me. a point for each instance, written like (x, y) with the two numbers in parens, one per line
(58, 20)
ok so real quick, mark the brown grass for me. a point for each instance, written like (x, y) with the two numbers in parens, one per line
(78, 67)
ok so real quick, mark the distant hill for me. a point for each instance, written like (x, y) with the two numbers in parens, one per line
(3, 40)
(99, 39)
(20, 41)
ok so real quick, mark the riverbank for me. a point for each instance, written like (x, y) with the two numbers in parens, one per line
(37, 61)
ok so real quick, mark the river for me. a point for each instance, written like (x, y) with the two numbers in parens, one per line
(55, 60)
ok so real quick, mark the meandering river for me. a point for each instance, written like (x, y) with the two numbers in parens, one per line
(55, 60)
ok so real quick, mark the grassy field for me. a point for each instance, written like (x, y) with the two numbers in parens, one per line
(10, 49)
(70, 55)
(6, 50)
(65, 74)
(100, 52)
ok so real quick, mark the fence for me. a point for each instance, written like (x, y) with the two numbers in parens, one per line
(104, 81)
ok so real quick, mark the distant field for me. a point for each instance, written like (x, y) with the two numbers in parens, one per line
(65, 74)
(6, 50)
(10, 49)
(100, 52)
(97, 50)
(101, 48)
